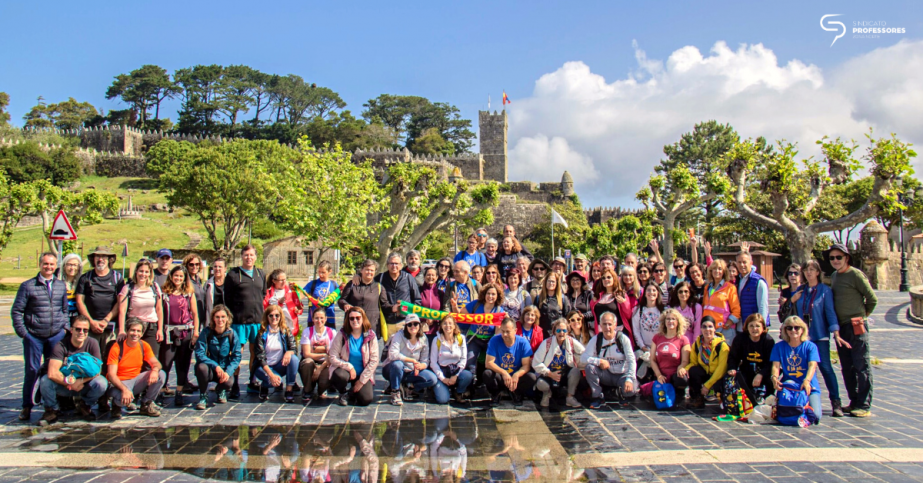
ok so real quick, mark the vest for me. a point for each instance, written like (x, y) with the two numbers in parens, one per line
(748, 297)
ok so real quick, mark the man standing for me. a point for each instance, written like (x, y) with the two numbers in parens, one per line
(853, 300)
(97, 295)
(39, 316)
(462, 284)
(399, 286)
(214, 288)
(244, 287)
(127, 377)
(752, 290)
(414, 260)
(582, 265)
(164, 264)
(85, 390)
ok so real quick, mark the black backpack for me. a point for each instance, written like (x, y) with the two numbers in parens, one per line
(144, 365)
(618, 340)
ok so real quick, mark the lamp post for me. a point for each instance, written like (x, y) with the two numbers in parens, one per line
(905, 199)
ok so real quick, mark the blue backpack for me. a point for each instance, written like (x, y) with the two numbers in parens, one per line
(664, 395)
(792, 406)
(82, 364)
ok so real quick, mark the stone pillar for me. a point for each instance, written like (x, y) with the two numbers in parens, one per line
(567, 184)
(875, 253)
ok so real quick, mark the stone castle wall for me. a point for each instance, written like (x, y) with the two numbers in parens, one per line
(881, 258)
(493, 141)
(600, 214)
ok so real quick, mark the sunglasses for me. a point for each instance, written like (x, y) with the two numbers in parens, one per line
(792, 274)
(683, 291)
(642, 271)
(794, 328)
(481, 235)
(561, 331)
(274, 316)
(575, 319)
(445, 266)
(81, 331)
(412, 324)
(659, 270)
(539, 269)
(837, 257)
(358, 317)
(677, 267)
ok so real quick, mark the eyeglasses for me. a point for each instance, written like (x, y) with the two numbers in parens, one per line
(837, 257)
(792, 274)
(357, 317)
(81, 331)
(561, 331)
(793, 328)
(274, 316)
(282, 280)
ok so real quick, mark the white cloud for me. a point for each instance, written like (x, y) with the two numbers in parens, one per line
(610, 135)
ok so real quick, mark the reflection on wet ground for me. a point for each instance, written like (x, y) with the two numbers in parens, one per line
(479, 446)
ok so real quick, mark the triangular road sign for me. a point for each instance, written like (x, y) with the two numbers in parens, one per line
(61, 229)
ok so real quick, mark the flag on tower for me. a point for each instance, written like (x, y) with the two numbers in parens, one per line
(506, 99)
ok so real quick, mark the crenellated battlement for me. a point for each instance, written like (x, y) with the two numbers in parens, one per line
(602, 214)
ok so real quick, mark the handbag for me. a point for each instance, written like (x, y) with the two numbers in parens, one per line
(787, 310)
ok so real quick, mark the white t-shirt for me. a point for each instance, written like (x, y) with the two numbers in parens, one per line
(274, 350)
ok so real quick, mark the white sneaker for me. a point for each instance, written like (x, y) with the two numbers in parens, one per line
(573, 402)
(546, 399)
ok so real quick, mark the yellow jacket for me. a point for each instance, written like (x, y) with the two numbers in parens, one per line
(717, 365)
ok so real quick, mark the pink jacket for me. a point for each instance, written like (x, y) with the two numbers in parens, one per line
(339, 355)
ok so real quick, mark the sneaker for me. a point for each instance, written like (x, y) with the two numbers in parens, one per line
(235, 392)
(25, 414)
(85, 412)
(696, 403)
(178, 401)
(860, 413)
(149, 409)
(597, 403)
(133, 407)
(115, 412)
(202, 404)
(296, 388)
(546, 399)
(190, 388)
(222, 396)
(495, 400)
(571, 401)
(254, 388)
(306, 399)
(168, 392)
(517, 399)
(396, 399)
(103, 405)
(50, 417)
(837, 411)
(264, 393)
(290, 396)
(387, 391)
(343, 400)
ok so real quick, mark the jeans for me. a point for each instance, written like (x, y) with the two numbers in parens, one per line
(205, 374)
(729, 334)
(91, 392)
(290, 371)
(140, 385)
(814, 401)
(33, 348)
(826, 370)
(597, 378)
(395, 374)
(475, 348)
(442, 391)
(363, 397)
(856, 364)
(569, 374)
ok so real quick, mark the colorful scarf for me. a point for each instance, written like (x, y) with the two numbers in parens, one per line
(477, 319)
(327, 302)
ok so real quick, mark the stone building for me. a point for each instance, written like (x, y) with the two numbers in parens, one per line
(881, 258)
(297, 258)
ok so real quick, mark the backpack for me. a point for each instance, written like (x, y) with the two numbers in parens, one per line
(618, 340)
(158, 295)
(792, 406)
(664, 395)
(458, 339)
(81, 365)
(144, 365)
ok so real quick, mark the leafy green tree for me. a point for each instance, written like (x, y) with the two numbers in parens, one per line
(235, 92)
(794, 193)
(143, 89)
(226, 185)
(431, 142)
(573, 237)
(82, 208)
(4, 105)
(621, 236)
(69, 114)
(27, 162)
(327, 198)
(201, 101)
(297, 102)
(16, 201)
(411, 117)
(420, 202)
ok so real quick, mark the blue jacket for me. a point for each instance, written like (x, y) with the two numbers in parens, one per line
(218, 350)
(36, 313)
(823, 315)
(753, 296)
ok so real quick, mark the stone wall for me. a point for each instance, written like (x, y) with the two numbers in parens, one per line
(493, 141)
(120, 139)
(524, 216)
(600, 214)
(115, 165)
(881, 260)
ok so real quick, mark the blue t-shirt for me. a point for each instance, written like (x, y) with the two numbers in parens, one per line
(355, 353)
(320, 291)
(794, 361)
(528, 333)
(476, 258)
(509, 358)
(481, 331)
(248, 272)
(464, 295)
(559, 362)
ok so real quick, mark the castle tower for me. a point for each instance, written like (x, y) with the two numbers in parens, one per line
(493, 128)
(567, 184)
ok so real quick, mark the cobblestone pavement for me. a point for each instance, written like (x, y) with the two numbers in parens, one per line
(247, 441)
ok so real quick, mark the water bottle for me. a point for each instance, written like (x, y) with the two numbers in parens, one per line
(70, 379)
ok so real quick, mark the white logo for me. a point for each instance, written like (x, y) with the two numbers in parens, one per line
(833, 29)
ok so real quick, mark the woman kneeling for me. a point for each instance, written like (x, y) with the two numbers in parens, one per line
(354, 359)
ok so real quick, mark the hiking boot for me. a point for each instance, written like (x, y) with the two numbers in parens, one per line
(546, 399)
(190, 388)
(178, 401)
(254, 388)
(837, 411)
(235, 392)
(222, 396)
(168, 392)
(697, 402)
(460, 398)
(343, 400)
(85, 412)
(860, 413)
(597, 403)
(495, 400)
(115, 412)
(264, 393)
(203, 403)
(517, 399)
(396, 399)
(50, 417)
(290, 396)
(571, 401)
(25, 414)
(149, 409)
(103, 405)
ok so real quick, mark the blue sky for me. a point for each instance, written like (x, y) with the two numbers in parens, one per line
(457, 52)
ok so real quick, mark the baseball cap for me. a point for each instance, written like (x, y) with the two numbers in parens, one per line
(164, 252)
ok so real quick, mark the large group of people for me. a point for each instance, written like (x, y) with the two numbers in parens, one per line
(599, 335)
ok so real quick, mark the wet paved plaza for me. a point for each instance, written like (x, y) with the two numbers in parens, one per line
(273, 441)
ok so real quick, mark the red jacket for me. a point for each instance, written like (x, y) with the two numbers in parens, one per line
(537, 335)
(292, 303)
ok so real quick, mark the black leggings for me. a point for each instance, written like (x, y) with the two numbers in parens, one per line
(306, 369)
(181, 353)
(362, 398)
(698, 377)
(205, 374)
(494, 382)
(150, 336)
